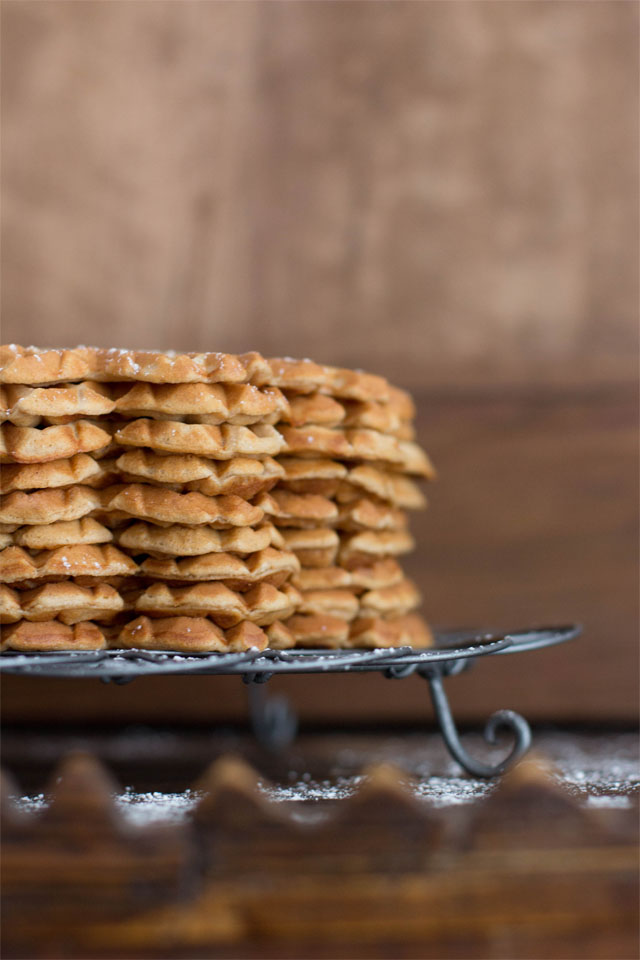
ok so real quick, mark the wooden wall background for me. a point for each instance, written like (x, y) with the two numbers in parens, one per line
(442, 192)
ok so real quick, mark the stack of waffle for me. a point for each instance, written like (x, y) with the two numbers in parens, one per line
(203, 502)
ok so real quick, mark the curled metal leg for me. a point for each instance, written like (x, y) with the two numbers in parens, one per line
(502, 721)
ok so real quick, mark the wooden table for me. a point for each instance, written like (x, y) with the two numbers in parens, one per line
(345, 845)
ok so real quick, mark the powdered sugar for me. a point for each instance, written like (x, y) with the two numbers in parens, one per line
(599, 771)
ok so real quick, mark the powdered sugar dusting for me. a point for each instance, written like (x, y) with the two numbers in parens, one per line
(600, 772)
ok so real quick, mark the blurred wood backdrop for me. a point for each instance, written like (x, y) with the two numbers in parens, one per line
(442, 192)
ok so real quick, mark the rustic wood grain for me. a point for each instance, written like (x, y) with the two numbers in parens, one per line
(443, 192)
(527, 865)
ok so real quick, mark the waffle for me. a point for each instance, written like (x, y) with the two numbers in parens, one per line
(65, 601)
(387, 602)
(380, 417)
(314, 408)
(313, 548)
(10, 607)
(179, 634)
(330, 478)
(80, 468)
(48, 536)
(266, 566)
(370, 545)
(28, 406)
(383, 573)
(321, 547)
(311, 510)
(364, 632)
(219, 443)
(237, 404)
(52, 635)
(33, 365)
(262, 604)
(385, 485)
(321, 410)
(35, 445)
(189, 541)
(367, 514)
(49, 506)
(240, 493)
(409, 631)
(348, 444)
(84, 561)
(166, 507)
(397, 600)
(189, 635)
(309, 631)
(242, 476)
(298, 510)
(305, 376)
(319, 476)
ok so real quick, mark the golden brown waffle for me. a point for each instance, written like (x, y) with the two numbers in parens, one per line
(33, 365)
(314, 408)
(379, 417)
(28, 406)
(388, 602)
(166, 507)
(65, 601)
(302, 475)
(184, 541)
(313, 548)
(10, 608)
(397, 600)
(49, 506)
(54, 473)
(35, 445)
(330, 478)
(179, 634)
(370, 545)
(262, 604)
(374, 576)
(219, 443)
(322, 547)
(266, 566)
(320, 410)
(409, 631)
(311, 510)
(394, 488)
(309, 631)
(305, 376)
(84, 561)
(364, 632)
(48, 536)
(52, 635)
(188, 635)
(334, 604)
(173, 457)
(367, 514)
(242, 476)
(238, 404)
(349, 444)
(298, 510)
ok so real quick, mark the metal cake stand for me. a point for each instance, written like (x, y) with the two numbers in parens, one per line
(273, 720)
